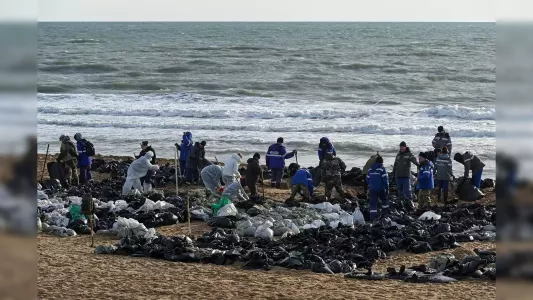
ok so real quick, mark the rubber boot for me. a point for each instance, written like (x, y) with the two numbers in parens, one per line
(278, 185)
(439, 196)
(445, 198)
(272, 184)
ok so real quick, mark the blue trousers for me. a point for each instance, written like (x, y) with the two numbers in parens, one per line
(403, 185)
(183, 167)
(374, 196)
(476, 178)
(443, 185)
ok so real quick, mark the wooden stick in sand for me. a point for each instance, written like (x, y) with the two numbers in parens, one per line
(45, 159)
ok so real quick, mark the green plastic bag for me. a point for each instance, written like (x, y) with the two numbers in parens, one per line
(75, 213)
(216, 206)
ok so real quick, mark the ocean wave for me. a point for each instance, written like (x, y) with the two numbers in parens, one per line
(214, 113)
(395, 71)
(461, 78)
(279, 127)
(461, 112)
(244, 92)
(130, 86)
(84, 41)
(203, 62)
(83, 68)
(175, 69)
(237, 48)
(418, 54)
(52, 89)
(359, 66)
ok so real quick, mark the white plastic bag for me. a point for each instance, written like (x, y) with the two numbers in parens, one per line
(264, 231)
(314, 224)
(331, 216)
(162, 205)
(228, 210)
(74, 200)
(346, 219)
(334, 224)
(326, 207)
(119, 205)
(55, 218)
(148, 206)
(42, 195)
(429, 215)
(358, 218)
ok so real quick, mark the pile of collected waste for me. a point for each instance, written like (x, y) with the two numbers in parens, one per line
(59, 212)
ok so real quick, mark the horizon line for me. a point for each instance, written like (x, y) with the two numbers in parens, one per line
(215, 21)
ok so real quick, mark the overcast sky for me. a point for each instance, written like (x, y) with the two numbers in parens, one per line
(266, 10)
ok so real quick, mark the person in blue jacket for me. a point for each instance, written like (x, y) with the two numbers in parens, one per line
(425, 181)
(378, 184)
(185, 150)
(84, 160)
(302, 183)
(275, 160)
(324, 147)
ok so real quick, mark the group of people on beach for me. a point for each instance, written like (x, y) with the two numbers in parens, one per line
(226, 180)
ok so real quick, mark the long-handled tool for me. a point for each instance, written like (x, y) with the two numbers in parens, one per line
(87, 208)
(263, 184)
(45, 160)
(296, 155)
(176, 159)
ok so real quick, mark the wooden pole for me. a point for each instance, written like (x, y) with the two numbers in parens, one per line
(176, 159)
(45, 159)
(92, 230)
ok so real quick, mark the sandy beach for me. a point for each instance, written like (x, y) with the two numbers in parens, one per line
(68, 269)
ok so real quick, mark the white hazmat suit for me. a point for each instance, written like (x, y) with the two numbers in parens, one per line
(136, 170)
(230, 172)
(211, 176)
(234, 192)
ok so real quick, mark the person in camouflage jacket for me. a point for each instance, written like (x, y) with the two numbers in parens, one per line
(332, 168)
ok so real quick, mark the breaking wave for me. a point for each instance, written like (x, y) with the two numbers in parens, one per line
(461, 112)
(278, 127)
(173, 70)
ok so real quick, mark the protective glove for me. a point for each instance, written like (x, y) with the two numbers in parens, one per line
(294, 151)
(177, 146)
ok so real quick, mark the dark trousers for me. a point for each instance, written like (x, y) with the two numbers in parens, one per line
(71, 173)
(374, 196)
(183, 167)
(85, 174)
(192, 175)
(443, 185)
(148, 178)
(252, 186)
(275, 177)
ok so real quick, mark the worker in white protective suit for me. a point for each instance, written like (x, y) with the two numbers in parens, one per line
(230, 173)
(211, 176)
(234, 192)
(136, 170)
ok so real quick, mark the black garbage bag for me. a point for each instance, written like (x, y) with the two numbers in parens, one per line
(321, 267)
(222, 222)
(56, 171)
(80, 226)
(442, 228)
(467, 192)
(365, 275)
(53, 185)
(419, 248)
(258, 259)
(292, 262)
(429, 278)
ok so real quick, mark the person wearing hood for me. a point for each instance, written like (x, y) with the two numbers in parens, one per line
(402, 171)
(195, 162)
(443, 165)
(332, 168)
(366, 168)
(84, 160)
(302, 183)
(324, 147)
(211, 176)
(68, 158)
(185, 149)
(442, 139)
(471, 162)
(275, 161)
(230, 172)
(147, 180)
(425, 181)
(378, 182)
(137, 170)
(234, 192)
(253, 173)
